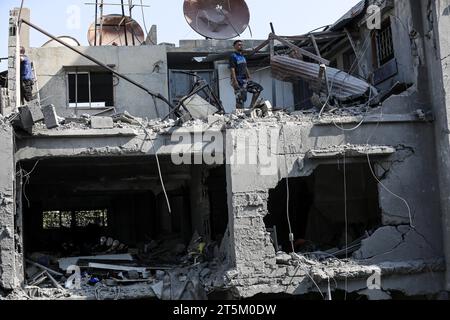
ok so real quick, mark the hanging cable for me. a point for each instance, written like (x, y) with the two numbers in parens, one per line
(379, 181)
(345, 220)
(291, 234)
(169, 208)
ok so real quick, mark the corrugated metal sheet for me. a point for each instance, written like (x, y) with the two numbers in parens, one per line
(349, 16)
(343, 84)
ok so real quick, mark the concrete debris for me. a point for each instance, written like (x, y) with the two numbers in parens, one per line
(51, 119)
(199, 108)
(102, 123)
(65, 263)
(35, 110)
(351, 151)
(283, 258)
(26, 118)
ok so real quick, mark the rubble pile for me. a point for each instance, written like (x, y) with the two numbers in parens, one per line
(164, 269)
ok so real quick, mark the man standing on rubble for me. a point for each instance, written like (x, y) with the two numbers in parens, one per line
(26, 77)
(240, 77)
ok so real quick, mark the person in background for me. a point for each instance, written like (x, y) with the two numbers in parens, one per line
(241, 79)
(26, 77)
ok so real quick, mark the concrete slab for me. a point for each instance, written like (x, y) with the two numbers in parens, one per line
(102, 123)
(35, 110)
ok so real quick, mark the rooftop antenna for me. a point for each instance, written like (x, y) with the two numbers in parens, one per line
(115, 29)
(217, 19)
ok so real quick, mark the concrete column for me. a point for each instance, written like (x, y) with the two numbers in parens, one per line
(25, 29)
(13, 65)
(436, 19)
(8, 279)
(200, 211)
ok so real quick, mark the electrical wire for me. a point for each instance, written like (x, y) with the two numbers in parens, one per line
(169, 208)
(291, 234)
(379, 181)
(345, 220)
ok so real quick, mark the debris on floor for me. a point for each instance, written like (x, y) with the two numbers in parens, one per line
(164, 269)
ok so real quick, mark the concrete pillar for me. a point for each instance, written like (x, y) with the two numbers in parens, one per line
(437, 47)
(13, 65)
(24, 29)
(8, 279)
(200, 210)
(14, 42)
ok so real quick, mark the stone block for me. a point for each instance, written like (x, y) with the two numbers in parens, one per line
(26, 119)
(51, 119)
(35, 110)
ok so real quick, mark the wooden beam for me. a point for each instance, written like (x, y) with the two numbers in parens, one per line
(350, 39)
(260, 47)
(300, 50)
(313, 40)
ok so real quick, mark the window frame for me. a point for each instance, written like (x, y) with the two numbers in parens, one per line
(380, 61)
(86, 105)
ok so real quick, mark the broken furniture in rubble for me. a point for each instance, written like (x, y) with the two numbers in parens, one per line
(193, 106)
(118, 276)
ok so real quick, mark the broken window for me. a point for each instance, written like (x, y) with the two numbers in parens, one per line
(318, 211)
(90, 89)
(56, 220)
(384, 43)
(67, 219)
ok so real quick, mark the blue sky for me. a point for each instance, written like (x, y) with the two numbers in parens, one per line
(290, 17)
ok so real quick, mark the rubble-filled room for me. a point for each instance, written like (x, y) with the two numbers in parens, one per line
(110, 216)
(330, 211)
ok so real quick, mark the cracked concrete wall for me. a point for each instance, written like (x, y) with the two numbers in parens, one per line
(436, 22)
(8, 279)
(409, 173)
(409, 52)
(52, 64)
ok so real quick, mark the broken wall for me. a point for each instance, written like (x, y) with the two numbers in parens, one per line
(4, 100)
(283, 151)
(406, 42)
(146, 65)
(8, 278)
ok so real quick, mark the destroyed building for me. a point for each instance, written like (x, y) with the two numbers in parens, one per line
(336, 186)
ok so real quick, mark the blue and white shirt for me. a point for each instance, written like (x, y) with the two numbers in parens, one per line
(239, 63)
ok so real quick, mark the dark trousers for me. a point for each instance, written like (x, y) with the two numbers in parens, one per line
(26, 90)
(241, 93)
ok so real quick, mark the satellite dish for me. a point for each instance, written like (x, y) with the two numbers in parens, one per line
(67, 39)
(117, 30)
(217, 19)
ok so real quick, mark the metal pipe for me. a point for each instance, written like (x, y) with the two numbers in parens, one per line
(124, 25)
(101, 23)
(96, 22)
(97, 62)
